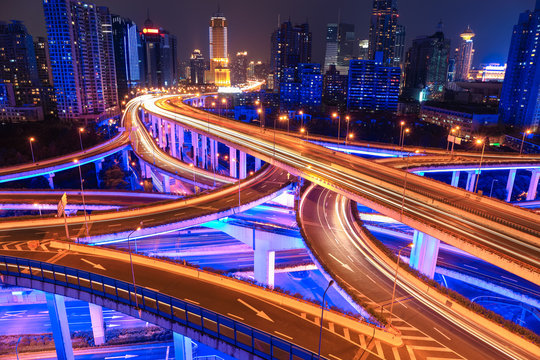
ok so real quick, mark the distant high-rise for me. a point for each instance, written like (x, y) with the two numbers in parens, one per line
(301, 87)
(239, 68)
(363, 49)
(80, 48)
(382, 30)
(334, 87)
(399, 47)
(331, 55)
(126, 54)
(372, 85)
(520, 96)
(464, 55)
(159, 49)
(427, 65)
(340, 46)
(42, 59)
(197, 67)
(219, 56)
(291, 45)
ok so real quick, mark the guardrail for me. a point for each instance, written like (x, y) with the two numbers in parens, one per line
(233, 332)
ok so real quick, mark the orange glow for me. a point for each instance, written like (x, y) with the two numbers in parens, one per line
(150, 31)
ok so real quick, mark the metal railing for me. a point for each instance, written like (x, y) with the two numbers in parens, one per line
(187, 314)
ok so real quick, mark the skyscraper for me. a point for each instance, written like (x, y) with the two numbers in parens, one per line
(239, 68)
(363, 49)
(520, 98)
(334, 87)
(126, 54)
(42, 60)
(219, 55)
(399, 47)
(331, 55)
(80, 48)
(291, 45)
(427, 65)
(464, 55)
(340, 46)
(197, 67)
(382, 30)
(159, 49)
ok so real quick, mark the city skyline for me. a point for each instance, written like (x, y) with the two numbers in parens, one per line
(189, 22)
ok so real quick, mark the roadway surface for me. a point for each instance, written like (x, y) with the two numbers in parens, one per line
(335, 246)
(464, 220)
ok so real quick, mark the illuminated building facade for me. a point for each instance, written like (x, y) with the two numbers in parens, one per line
(464, 55)
(382, 30)
(126, 55)
(239, 68)
(219, 73)
(372, 85)
(520, 97)
(159, 51)
(302, 86)
(197, 67)
(340, 46)
(80, 47)
(488, 72)
(334, 87)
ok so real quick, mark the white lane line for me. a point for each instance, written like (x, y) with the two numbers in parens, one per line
(369, 277)
(439, 331)
(236, 316)
(504, 277)
(192, 301)
(114, 225)
(469, 266)
(334, 356)
(285, 336)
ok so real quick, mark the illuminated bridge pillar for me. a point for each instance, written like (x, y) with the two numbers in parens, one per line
(471, 178)
(424, 253)
(125, 160)
(153, 125)
(172, 144)
(204, 152)
(510, 184)
(213, 154)
(263, 267)
(533, 185)
(455, 178)
(50, 179)
(257, 164)
(161, 143)
(243, 165)
(232, 162)
(183, 348)
(99, 165)
(195, 146)
(166, 184)
(98, 325)
(60, 326)
(180, 138)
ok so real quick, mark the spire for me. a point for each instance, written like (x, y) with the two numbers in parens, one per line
(148, 23)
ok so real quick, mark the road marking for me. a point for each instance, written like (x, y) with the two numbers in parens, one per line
(346, 334)
(411, 352)
(257, 312)
(18, 247)
(331, 326)
(439, 331)
(285, 336)
(236, 316)
(192, 301)
(395, 352)
(469, 266)
(58, 256)
(95, 266)
(114, 225)
(431, 348)
(379, 348)
(362, 340)
(504, 277)
(4, 236)
(334, 356)
(369, 277)
(346, 266)
(42, 246)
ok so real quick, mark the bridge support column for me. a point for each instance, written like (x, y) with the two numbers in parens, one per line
(471, 178)
(232, 163)
(98, 325)
(60, 326)
(204, 152)
(98, 165)
(533, 185)
(160, 133)
(195, 145)
(183, 349)
(424, 253)
(263, 267)
(243, 165)
(166, 184)
(180, 138)
(173, 140)
(153, 124)
(213, 154)
(257, 164)
(510, 184)
(50, 179)
(455, 178)
(125, 160)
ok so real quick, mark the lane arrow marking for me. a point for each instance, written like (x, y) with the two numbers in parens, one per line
(96, 266)
(346, 266)
(257, 312)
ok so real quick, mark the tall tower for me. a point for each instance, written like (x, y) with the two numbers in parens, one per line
(464, 55)
(382, 30)
(219, 56)
(520, 96)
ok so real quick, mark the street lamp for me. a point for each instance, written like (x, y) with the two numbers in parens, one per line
(336, 115)
(395, 279)
(304, 130)
(492, 182)
(348, 118)
(301, 113)
(401, 124)
(81, 130)
(31, 140)
(405, 182)
(478, 142)
(454, 141)
(285, 117)
(132, 272)
(527, 132)
(405, 132)
(76, 161)
(322, 313)
(194, 183)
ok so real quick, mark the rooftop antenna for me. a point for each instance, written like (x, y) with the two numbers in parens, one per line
(148, 13)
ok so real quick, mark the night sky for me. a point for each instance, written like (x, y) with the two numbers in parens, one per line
(252, 21)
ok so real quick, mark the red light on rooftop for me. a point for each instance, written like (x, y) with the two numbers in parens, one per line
(150, 31)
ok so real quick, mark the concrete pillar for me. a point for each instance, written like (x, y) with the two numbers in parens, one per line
(455, 178)
(195, 145)
(50, 179)
(60, 326)
(424, 253)
(204, 152)
(160, 133)
(533, 185)
(147, 171)
(213, 153)
(243, 165)
(471, 178)
(166, 184)
(173, 140)
(510, 184)
(153, 125)
(98, 165)
(180, 138)
(257, 164)
(263, 267)
(98, 325)
(125, 160)
(232, 162)
(183, 349)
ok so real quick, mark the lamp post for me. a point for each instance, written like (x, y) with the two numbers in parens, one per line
(301, 113)
(454, 141)
(31, 140)
(405, 183)
(304, 130)
(492, 182)
(81, 130)
(478, 142)
(285, 117)
(525, 133)
(131, 264)
(322, 313)
(76, 161)
(348, 118)
(405, 132)
(259, 112)
(195, 188)
(401, 124)
(395, 280)
(336, 115)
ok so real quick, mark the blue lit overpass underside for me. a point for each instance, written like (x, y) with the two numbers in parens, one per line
(338, 243)
(211, 314)
(496, 232)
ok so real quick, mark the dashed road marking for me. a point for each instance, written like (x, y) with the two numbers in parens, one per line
(285, 336)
